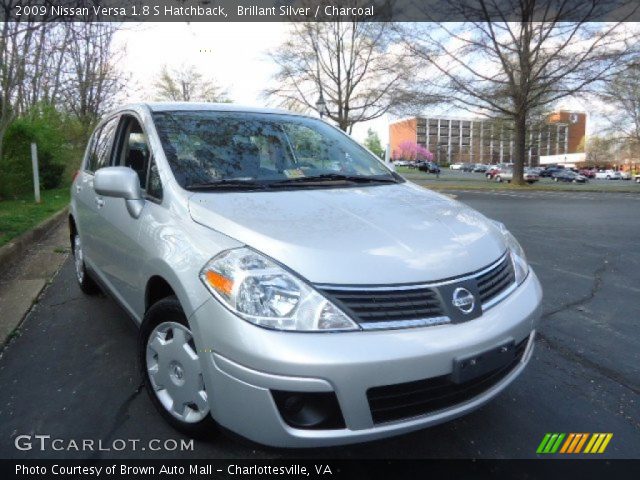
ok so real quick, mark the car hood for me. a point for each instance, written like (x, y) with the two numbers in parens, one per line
(361, 235)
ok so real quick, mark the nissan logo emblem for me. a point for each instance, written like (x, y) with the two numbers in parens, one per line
(464, 300)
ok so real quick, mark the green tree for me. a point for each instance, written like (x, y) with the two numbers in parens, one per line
(372, 142)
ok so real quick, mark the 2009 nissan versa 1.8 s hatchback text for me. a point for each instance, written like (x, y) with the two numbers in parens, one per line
(288, 285)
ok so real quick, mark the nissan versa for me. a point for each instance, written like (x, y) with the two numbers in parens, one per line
(288, 285)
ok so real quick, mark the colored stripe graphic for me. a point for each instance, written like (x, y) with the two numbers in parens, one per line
(567, 443)
(581, 442)
(574, 443)
(543, 443)
(598, 443)
(550, 443)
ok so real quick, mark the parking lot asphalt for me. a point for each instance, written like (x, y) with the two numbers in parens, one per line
(452, 179)
(72, 374)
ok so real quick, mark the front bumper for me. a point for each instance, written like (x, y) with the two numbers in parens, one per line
(243, 363)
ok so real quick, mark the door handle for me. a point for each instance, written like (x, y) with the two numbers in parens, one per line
(99, 202)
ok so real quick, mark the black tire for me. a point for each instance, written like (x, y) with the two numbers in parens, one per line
(86, 283)
(168, 310)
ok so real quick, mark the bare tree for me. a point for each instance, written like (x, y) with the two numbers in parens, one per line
(93, 81)
(599, 150)
(622, 96)
(16, 40)
(514, 59)
(187, 84)
(360, 72)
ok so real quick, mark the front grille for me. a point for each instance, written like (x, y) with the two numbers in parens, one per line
(496, 280)
(405, 400)
(372, 306)
(405, 306)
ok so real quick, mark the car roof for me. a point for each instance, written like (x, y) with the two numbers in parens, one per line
(206, 106)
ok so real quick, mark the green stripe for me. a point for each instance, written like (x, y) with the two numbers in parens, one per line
(550, 443)
(558, 442)
(543, 443)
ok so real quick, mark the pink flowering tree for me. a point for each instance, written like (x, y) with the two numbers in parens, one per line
(410, 150)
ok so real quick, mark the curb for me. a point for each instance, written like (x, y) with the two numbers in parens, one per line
(13, 250)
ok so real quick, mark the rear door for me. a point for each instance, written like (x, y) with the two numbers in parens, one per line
(88, 203)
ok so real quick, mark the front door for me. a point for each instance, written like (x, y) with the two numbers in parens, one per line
(118, 242)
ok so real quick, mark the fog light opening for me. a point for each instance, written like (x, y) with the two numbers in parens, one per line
(309, 410)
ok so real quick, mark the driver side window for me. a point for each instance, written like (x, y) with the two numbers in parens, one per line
(134, 152)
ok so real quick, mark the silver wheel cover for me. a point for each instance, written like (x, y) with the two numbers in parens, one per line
(174, 371)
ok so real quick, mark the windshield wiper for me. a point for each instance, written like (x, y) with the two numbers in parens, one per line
(334, 177)
(228, 183)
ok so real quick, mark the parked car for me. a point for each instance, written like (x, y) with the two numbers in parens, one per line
(624, 175)
(402, 163)
(428, 167)
(550, 172)
(492, 172)
(608, 175)
(481, 168)
(587, 172)
(258, 284)
(569, 176)
(456, 166)
(507, 176)
(468, 167)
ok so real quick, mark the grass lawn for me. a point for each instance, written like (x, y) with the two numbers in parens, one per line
(19, 215)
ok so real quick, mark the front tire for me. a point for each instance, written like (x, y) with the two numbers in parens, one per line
(171, 370)
(85, 282)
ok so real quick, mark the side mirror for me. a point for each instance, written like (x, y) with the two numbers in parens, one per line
(120, 182)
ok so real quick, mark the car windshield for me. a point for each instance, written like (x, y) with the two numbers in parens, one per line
(236, 149)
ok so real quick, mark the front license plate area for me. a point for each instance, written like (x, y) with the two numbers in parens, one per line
(472, 366)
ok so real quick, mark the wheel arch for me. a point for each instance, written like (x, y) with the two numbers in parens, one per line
(156, 289)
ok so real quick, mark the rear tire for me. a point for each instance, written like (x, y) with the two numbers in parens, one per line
(85, 282)
(172, 374)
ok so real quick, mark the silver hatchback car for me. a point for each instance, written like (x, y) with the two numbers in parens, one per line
(288, 285)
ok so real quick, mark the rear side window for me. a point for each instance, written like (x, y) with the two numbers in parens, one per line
(100, 154)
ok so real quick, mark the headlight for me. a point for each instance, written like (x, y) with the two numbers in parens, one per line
(520, 265)
(261, 292)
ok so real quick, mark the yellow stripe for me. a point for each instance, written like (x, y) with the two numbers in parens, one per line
(574, 443)
(584, 439)
(591, 442)
(605, 443)
(598, 442)
(567, 442)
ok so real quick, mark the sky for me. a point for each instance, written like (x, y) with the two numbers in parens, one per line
(235, 56)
